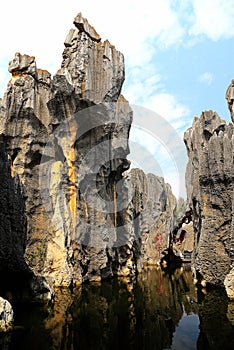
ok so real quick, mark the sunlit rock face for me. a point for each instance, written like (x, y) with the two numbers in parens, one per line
(210, 183)
(94, 68)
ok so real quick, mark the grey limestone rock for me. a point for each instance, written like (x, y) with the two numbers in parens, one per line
(84, 162)
(210, 183)
(153, 205)
(94, 68)
(67, 140)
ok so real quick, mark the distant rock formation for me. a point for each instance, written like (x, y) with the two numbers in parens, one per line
(67, 142)
(154, 205)
(183, 237)
(210, 185)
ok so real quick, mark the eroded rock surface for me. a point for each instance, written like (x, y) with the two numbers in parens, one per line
(153, 206)
(95, 69)
(210, 183)
(67, 143)
(183, 235)
(85, 158)
(6, 315)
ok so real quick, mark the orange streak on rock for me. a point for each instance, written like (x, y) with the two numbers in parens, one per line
(71, 173)
(12, 170)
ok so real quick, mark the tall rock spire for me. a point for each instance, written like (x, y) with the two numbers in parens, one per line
(94, 68)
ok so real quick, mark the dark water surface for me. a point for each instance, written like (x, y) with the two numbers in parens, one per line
(158, 311)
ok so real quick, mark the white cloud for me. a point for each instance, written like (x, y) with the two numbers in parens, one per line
(142, 84)
(147, 89)
(168, 107)
(41, 30)
(213, 18)
(138, 31)
(206, 78)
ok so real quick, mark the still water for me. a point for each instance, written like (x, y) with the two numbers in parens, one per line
(159, 310)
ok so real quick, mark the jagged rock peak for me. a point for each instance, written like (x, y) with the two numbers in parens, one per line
(22, 64)
(83, 25)
(94, 68)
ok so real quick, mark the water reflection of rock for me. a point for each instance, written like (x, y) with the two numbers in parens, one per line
(124, 314)
(216, 322)
(166, 298)
(57, 323)
(116, 314)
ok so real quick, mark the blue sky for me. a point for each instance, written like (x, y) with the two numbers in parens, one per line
(178, 53)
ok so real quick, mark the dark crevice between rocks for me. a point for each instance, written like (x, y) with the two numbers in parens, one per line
(170, 260)
(207, 134)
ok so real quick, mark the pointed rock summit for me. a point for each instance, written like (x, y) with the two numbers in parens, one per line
(22, 64)
(94, 68)
(83, 26)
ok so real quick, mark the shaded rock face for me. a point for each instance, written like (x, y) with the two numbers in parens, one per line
(210, 193)
(153, 205)
(12, 217)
